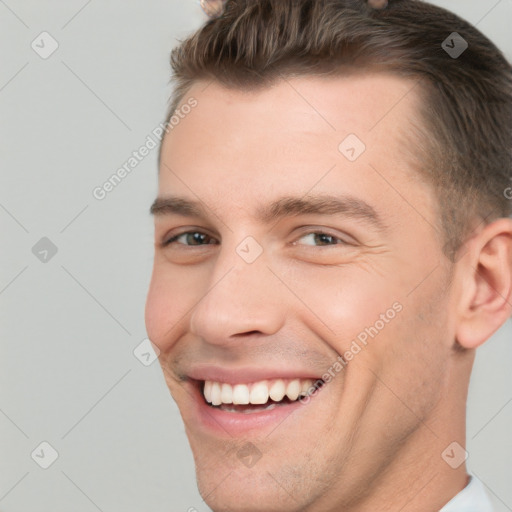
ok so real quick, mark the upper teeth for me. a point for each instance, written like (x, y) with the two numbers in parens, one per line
(218, 393)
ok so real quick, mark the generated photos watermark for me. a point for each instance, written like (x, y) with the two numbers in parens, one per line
(358, 344)
(152, 141)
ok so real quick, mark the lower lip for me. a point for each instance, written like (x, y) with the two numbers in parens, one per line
(233, 424)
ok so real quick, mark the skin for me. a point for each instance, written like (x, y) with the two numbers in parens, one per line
(372, 438)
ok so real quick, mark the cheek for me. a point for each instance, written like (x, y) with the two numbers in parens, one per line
(345, 301)
(156, 316)
(170, 296)
(417, 354)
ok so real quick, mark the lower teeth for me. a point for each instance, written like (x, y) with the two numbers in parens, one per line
(249, 409)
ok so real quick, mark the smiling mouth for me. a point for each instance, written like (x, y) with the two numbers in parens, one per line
(257, 396)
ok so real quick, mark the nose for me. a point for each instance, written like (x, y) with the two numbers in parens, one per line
(240, 299)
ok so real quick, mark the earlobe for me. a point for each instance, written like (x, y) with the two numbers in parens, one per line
(486, 298)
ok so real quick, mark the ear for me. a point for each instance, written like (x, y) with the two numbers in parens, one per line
(486, 298)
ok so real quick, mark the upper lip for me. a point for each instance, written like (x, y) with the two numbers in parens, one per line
(243, 375)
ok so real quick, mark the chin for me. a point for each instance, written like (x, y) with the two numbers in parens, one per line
(250, 490)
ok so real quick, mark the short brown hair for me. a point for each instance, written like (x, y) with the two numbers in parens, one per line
(464, 144)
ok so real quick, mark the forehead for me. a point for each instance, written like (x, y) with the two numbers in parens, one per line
(299, 134)
(352, 100)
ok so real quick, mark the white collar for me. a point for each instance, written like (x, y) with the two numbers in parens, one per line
(472, 498)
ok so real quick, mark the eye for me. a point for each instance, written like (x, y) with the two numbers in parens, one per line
(191, 238)
(321, 239)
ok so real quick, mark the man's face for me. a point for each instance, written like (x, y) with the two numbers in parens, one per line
(268, 279)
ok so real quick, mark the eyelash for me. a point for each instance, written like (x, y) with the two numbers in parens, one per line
(174, 238)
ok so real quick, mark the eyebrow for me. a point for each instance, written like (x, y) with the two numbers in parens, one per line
(287, 206)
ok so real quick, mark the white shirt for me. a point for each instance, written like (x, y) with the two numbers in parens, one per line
(472, 498)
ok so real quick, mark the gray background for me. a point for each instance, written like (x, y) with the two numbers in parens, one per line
(69, 325)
